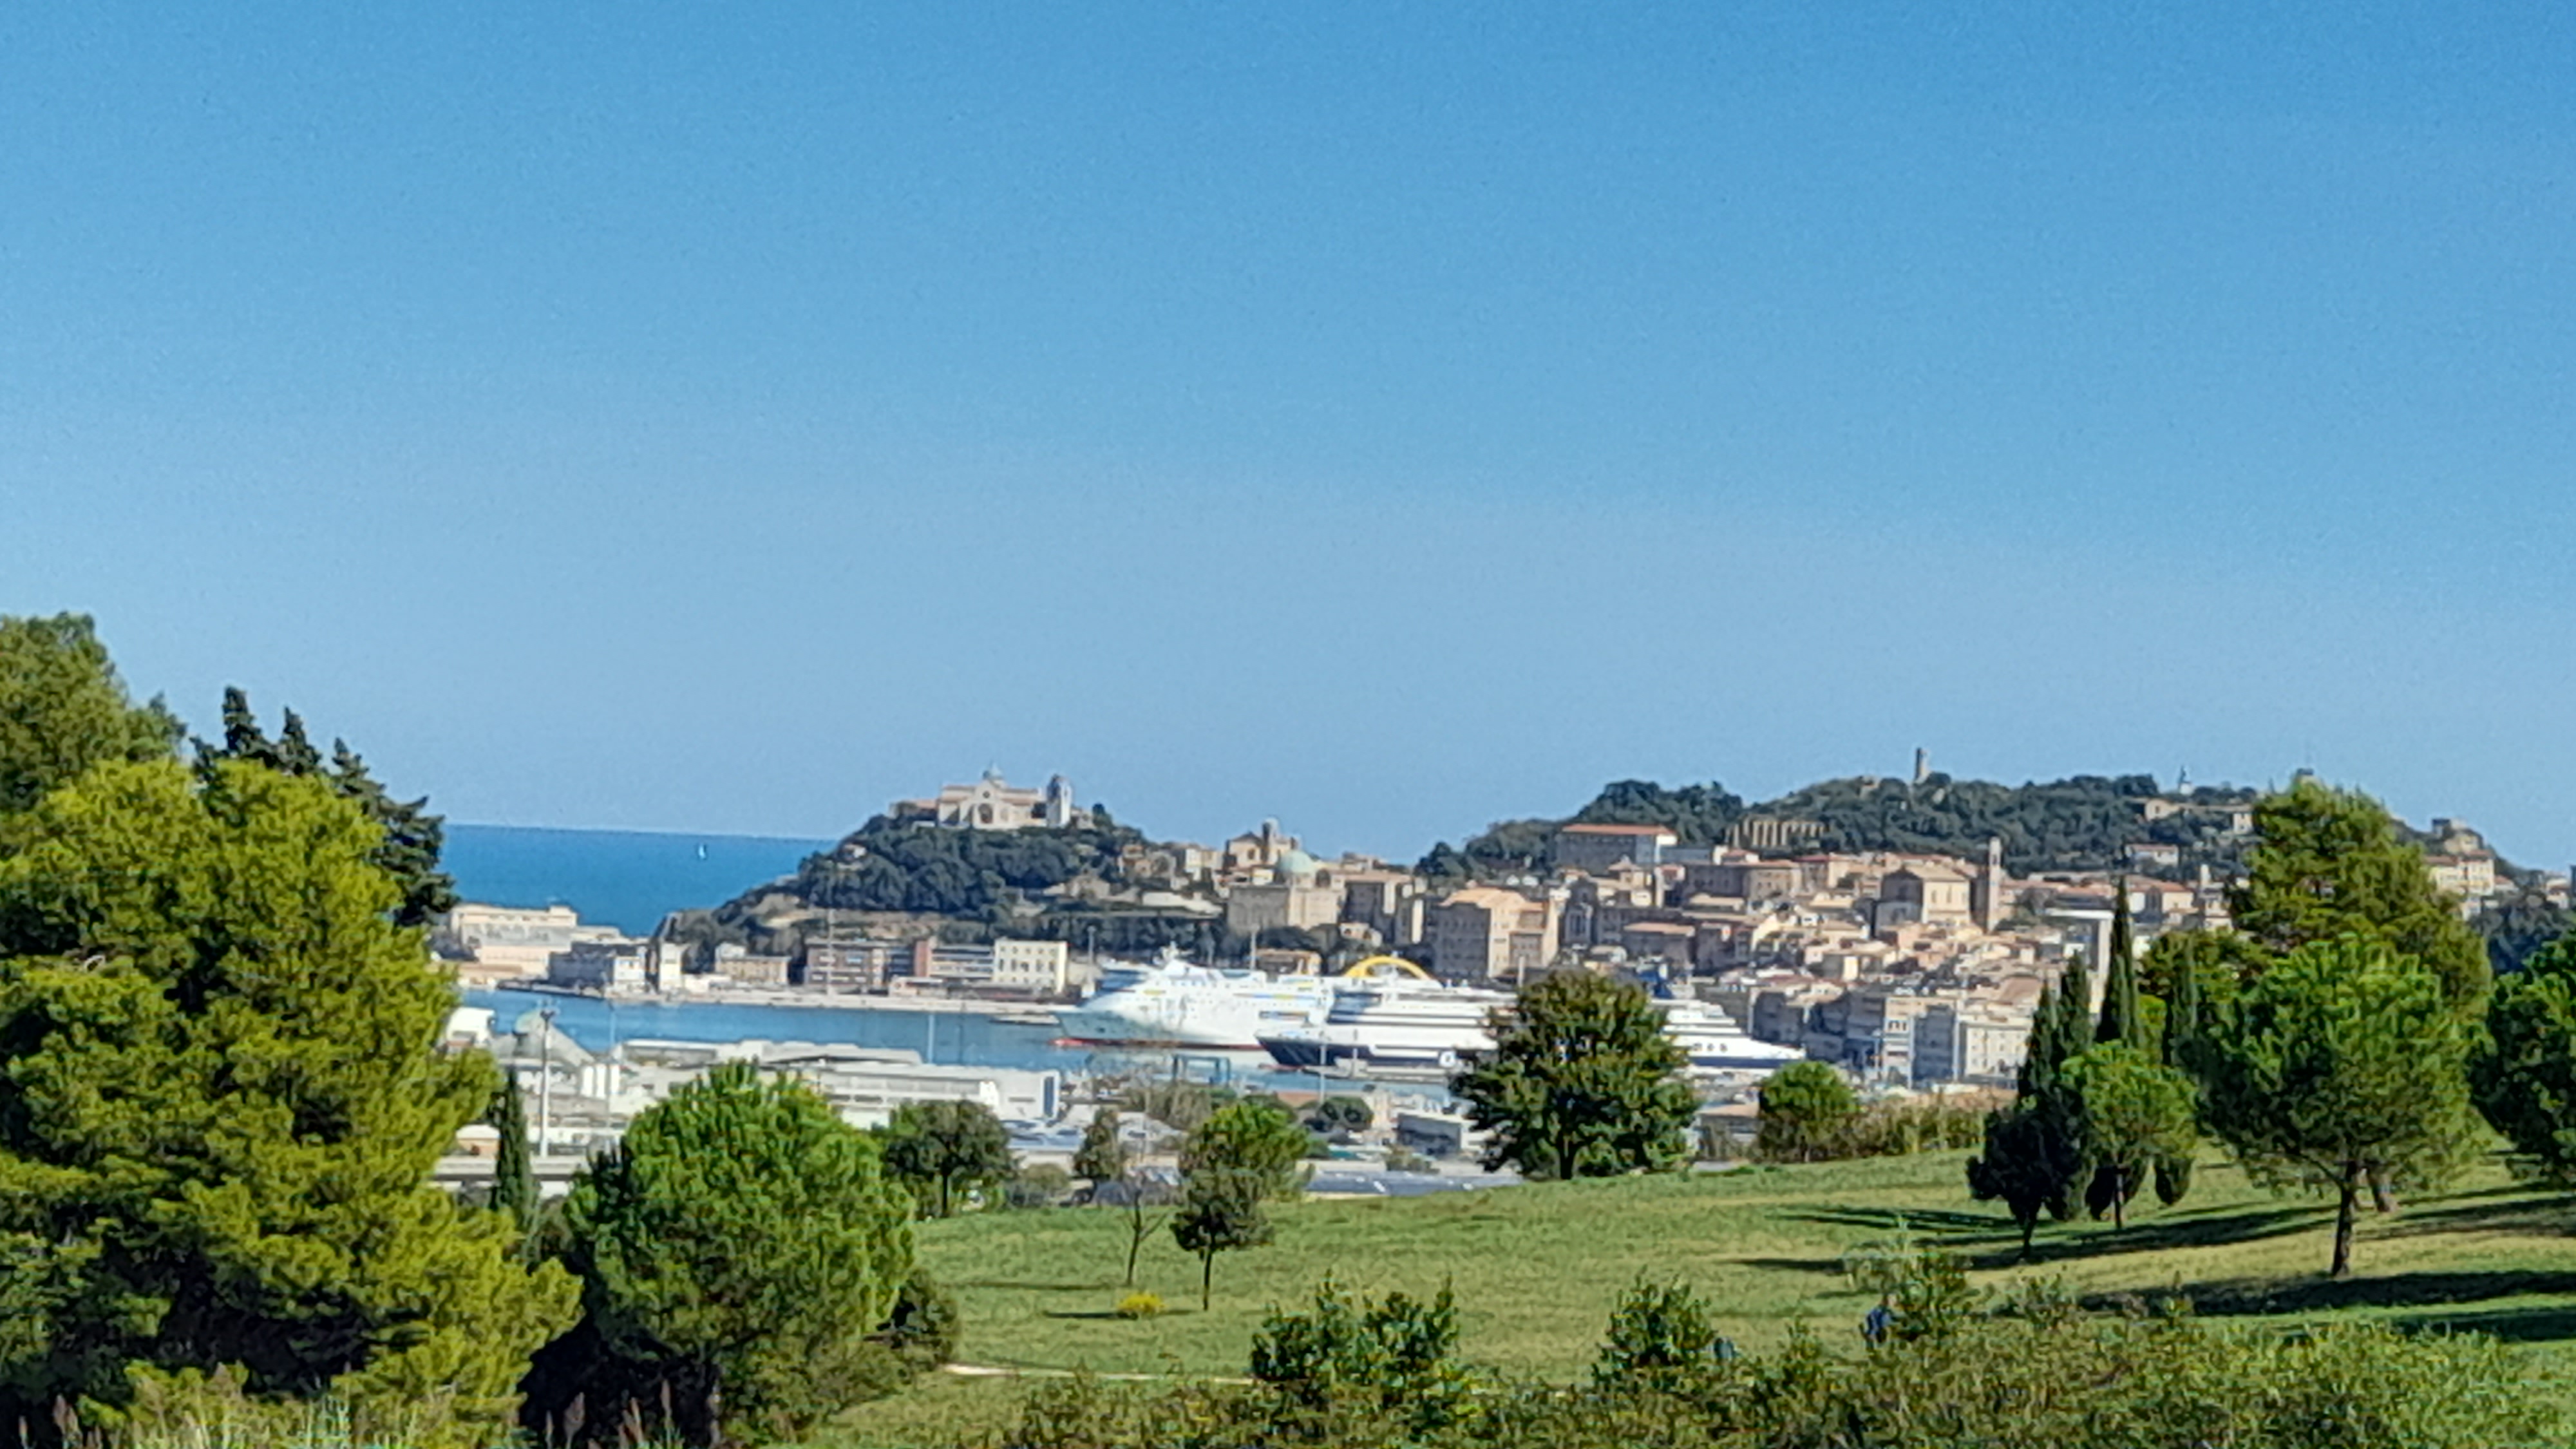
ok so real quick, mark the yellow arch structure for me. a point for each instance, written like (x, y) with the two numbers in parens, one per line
(1378, 965)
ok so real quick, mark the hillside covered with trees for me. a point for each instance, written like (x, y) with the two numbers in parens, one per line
(2085, 822)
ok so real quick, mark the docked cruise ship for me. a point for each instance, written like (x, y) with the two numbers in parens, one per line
(1178, 1003)
(1421, 1023)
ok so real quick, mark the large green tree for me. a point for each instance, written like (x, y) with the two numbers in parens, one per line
(2136, 1113)
(2524, 1073)
(220, 1101)
(1583, 1081)
(2342, 1066)
(63, 709)
(2328, 863)
(945, 1152)
(737, 1250)
(1805, 1109)
(2031, 1160)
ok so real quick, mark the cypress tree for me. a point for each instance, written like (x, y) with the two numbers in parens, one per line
(2039, 1055)
(2074, 1009)
(514, 1181)
(2120, 989)
(2033, 1158)
(2182, 1032)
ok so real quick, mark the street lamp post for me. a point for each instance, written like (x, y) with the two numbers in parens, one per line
(545, 1081)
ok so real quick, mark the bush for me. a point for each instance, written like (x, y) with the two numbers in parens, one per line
(1356, 1375)
(1140, 1305)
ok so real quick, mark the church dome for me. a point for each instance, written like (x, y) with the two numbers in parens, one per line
(1296, 864)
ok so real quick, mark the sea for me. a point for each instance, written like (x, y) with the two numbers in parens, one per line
(629, 879)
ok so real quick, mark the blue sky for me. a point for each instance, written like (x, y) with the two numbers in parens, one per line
(1387, 418)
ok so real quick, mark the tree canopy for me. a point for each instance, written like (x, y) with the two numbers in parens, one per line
(1805, 1108)
(412, 837)
(63, 709)
(945, 1151)
(2327, 863)
(2341, 1066)
(1583, 1081)
(2135, 1113)
(2524, 1073)
(738, 1247)
(220, 1101)
(1258, 1136)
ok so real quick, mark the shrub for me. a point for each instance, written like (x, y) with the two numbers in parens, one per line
(1140, 1305)
(2042, 1377)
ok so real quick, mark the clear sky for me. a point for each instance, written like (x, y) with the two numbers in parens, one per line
(1383, 417)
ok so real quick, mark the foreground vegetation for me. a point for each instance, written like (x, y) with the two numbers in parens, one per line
(1538, 1270)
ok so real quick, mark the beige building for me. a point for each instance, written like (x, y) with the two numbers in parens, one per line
(1041, 968)
(1298, 895)
(992, 803)
(855, 963)
(1485, 933)
(1596, 848)
(733, 963)
(1745, 880)
(1388, 902)
(1921, 892)
(1976, 1041)
(508, 943)
(618, 964)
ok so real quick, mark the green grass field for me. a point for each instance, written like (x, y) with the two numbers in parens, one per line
(1537, 1269)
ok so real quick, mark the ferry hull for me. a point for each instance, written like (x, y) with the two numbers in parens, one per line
(1308, 1053)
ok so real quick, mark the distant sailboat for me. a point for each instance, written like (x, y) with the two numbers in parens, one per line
(702, 850)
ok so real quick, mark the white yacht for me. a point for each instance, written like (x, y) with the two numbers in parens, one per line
(1392, 1022)
(1178, 1003)
(1421, 1023)
(1715, 1043)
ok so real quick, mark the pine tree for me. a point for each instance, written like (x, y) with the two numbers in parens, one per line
(2329, 863)
(514, 1181)
(737, 1248)
(225, 1100)
(63, 709)
(2343, 1066)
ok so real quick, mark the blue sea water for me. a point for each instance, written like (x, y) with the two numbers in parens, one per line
(629, 879)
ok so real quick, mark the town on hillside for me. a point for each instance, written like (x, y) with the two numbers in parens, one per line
(1913, 970)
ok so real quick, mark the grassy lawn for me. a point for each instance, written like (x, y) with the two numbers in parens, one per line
(1537, 1269)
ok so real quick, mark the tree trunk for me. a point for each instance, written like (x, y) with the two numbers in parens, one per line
(2383, 1196)
(2351, 1192)
(2119, 1197)
(2029, 1225)
(943, 1194)
(1207, 1275)
(1135, 1244)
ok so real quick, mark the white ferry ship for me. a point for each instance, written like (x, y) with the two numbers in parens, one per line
(1179, 1003)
